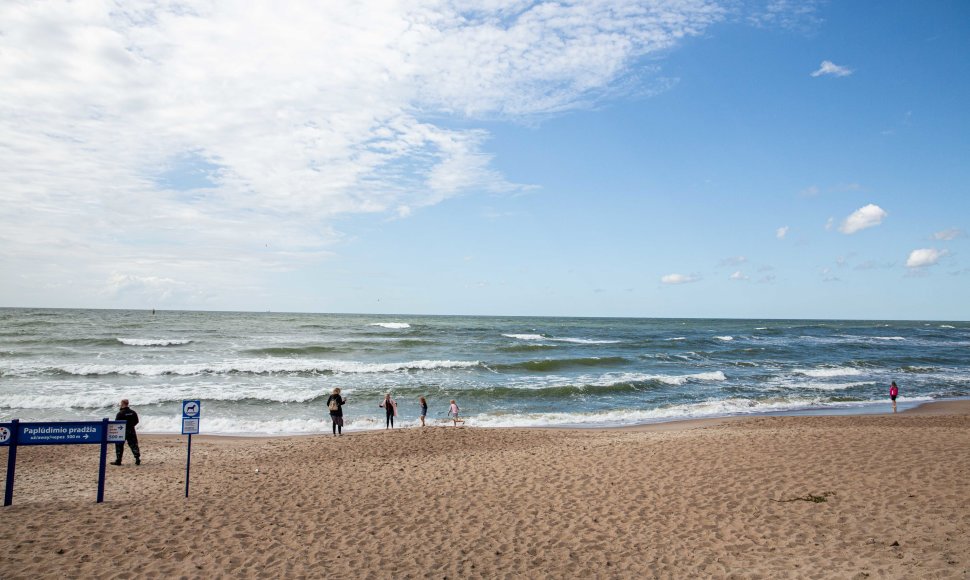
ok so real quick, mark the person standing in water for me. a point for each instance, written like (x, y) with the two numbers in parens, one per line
(335, 404)
(424, 409)
(893, 393)
(390, 407)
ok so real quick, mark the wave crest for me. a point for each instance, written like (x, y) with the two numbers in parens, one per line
(153, 342)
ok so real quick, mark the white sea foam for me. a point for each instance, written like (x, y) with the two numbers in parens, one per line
(946, 326)
(832, 386)
(829, 372)
(611, 379)
(248, 366)
(108, 397)
(391, 325)
(888, 338)
(722, 408)
(152, 342)
(677, 338)
(725, 338)
(248, 427)
(563, 339)
(214, 423)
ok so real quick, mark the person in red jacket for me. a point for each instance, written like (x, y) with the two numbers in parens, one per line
(893, 393)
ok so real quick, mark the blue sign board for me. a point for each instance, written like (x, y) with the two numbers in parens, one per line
(63, 433)
(15, 434)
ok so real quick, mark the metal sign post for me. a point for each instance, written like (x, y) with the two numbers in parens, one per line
(15, 434)
(191, 411)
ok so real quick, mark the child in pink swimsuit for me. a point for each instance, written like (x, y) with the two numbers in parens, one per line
(893, 393)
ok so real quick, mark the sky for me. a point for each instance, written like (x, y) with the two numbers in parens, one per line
(695, 158)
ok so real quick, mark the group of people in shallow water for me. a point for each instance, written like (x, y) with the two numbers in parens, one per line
(335, 404)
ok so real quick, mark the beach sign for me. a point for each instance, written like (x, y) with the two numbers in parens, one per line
(15, 434)
(66, 433)
(191, 411)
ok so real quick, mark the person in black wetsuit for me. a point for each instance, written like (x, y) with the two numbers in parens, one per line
(130, 417)
(335, 403)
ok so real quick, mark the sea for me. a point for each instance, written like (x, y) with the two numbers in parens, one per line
(268, 373)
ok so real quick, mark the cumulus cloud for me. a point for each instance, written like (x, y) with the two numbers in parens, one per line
(865, 217)
(924, 257)
(738, 275)
(679, 279)
(830, 68)
(781, 232)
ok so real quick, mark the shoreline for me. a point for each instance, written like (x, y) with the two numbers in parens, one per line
(942, 406)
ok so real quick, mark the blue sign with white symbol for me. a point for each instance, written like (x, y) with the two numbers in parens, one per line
(65, 433)
(191, 409)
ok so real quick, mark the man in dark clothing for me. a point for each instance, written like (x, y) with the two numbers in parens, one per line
(128, 415)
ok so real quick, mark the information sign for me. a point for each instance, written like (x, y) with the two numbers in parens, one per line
(191, 411)
(63, 433)
(15, 434)
(116, 431)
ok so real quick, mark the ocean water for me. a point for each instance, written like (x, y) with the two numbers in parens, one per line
(270, 373)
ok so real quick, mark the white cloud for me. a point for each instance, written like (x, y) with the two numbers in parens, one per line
(678, 279)
(738, 275)
(781, 232)
(949, 234)
(286, 114)
(793, 14)
(863, 218)
(830, 68)
(924, 257)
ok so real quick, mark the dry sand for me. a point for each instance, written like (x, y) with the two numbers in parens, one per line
(728, 498)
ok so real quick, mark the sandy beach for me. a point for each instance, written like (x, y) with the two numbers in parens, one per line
(869, 496)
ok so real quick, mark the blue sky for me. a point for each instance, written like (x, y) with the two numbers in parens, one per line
(698, 159)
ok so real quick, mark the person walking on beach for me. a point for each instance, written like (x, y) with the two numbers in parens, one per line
(390, 408)
(130, 417)
(893, 393)
(453, 411)
(335, 403)
(424, 409)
